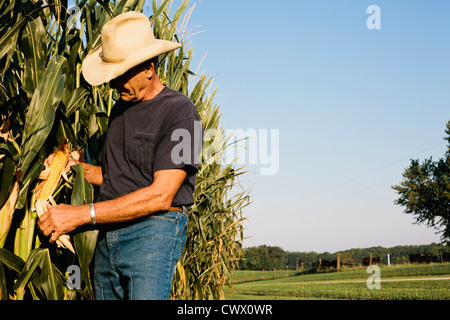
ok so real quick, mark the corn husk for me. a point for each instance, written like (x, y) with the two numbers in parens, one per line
(52, 176)
(7, 212)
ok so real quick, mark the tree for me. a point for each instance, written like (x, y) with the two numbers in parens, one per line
(264, 258)
(425, 192)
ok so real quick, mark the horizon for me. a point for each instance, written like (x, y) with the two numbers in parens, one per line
(354, 248)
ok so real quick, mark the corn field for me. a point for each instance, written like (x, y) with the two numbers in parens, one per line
(44, 101)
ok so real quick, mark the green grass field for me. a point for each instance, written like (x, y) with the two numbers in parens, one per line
(403, 282)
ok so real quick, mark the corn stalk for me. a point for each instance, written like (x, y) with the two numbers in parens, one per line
(45, 100)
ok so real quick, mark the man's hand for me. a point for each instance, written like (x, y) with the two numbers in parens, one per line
(63, 218)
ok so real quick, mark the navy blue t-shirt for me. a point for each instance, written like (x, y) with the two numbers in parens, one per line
(162, 133)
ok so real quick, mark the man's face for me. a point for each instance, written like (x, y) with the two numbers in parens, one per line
(134, 84)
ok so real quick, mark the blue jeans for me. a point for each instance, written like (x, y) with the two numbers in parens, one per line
(137, 260)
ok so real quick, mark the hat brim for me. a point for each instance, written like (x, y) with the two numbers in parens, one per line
(96, 71)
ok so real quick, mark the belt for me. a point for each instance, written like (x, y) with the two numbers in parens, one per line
(179, 209)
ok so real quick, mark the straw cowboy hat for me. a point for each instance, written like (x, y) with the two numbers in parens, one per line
(127, 40)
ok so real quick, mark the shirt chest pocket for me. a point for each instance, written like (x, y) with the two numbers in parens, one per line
(141, 150)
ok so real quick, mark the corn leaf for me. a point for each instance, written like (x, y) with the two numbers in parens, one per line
(105, 6)
(50, 285)
(64, 128)
(11, 261)
(45, 99)
(7, 177)
(34, 48)
(25, 183)
(86, 240)
(9, 39)
(76, 100)
(3, 290)
(6, 213)
(158, 10)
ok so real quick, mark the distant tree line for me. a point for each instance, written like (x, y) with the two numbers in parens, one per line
(272, 257)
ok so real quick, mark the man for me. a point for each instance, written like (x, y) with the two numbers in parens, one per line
(144, 189)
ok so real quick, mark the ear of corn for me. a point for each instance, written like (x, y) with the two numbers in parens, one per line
(56, 168)
(49, 185)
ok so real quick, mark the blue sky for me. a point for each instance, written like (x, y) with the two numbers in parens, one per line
(352, 107)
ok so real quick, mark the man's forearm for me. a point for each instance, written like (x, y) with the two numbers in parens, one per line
(156, 197)
(92, 173)
(62, 218)
(132, 206)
